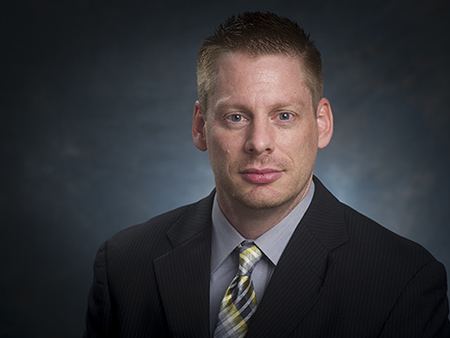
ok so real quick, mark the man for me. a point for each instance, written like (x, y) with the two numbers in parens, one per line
(270, 253)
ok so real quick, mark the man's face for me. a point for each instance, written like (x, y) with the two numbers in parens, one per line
(260, 131)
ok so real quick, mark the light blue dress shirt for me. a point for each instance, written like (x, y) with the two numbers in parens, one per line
(225, 260)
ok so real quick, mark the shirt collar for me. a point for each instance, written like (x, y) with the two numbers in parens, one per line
(225, 237)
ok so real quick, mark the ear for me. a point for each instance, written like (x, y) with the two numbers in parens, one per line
(324, 122)
(198, 127)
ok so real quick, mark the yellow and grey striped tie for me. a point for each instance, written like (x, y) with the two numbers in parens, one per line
(239, 302)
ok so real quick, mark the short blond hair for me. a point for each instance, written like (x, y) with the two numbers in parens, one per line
(259, 34)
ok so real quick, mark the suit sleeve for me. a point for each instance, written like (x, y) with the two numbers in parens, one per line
(99, 314)
(422, 308)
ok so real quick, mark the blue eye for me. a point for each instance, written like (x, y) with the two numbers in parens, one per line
(235, 118)
(284, 116)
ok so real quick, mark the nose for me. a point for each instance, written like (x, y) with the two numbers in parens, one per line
(260, 138)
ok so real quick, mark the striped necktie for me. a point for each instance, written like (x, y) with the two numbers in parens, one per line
(239, 302)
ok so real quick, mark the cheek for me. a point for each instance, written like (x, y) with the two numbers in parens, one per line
(221, 143)
(310, 134)
(218, 151)
(302, 146)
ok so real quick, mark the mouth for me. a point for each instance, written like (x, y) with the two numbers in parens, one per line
(261, 176)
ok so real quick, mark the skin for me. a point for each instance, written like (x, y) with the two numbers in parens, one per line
(262, 137)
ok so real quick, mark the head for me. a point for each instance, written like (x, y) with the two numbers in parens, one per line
(257, 115)
(259, 34)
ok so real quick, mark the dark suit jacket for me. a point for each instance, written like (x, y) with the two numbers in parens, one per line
(341, 275)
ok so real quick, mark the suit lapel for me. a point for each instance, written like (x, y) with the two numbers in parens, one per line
(182, 278)
(302, 269)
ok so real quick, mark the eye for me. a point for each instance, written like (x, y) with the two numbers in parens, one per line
(235, 118)
(284, 116)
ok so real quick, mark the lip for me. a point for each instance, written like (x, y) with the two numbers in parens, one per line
(261, 176)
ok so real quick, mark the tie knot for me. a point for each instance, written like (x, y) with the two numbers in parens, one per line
(248, 257)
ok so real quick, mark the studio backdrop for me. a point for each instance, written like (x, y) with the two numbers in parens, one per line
(96, 107)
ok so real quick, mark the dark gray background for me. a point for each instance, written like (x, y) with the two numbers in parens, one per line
(96, 106)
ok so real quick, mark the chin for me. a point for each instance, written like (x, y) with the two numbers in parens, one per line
(267, 202)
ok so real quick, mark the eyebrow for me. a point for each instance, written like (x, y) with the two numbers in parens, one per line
(238, 106)
(224, 105)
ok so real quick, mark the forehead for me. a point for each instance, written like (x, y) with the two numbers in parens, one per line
(243, 77)
(241, 63)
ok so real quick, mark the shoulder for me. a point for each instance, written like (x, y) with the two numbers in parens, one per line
(386, 263)
(372, 238)
(405, 285)
(364, 236)
(152, 238)
(150, 230)
(368, 248)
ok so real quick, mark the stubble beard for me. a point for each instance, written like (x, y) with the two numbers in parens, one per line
(269, 200)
